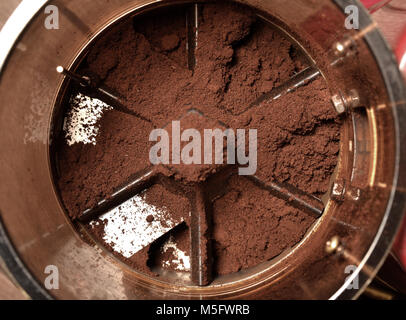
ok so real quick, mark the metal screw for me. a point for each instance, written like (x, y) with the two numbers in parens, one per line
(334, 246)
(338, 190)
(338, 103)
(352, 99)
(341, 48)
(343, 102)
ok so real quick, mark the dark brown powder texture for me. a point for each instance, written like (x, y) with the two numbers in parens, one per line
(176, 206)
(143, 75)
(298, 138)
(238, 58)
(199, 171)
(90, 173)
(266, 226)
(165, 31)
(233, 64)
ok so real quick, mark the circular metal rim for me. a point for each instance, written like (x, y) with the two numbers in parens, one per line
(380, 247)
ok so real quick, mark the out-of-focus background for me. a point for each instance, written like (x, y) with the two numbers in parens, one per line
(390, 18)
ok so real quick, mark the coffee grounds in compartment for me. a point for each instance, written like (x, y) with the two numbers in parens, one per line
(90, 173)
(170, 212)
(263, 226)
(298, 138)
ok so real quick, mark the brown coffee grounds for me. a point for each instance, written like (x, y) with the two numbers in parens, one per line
(266, 226)
(90, 173)
(235, 65)
(176, 206)
(165, 32)
(143, 74)
(240, 65)
(238, 58)
(194, 172)
(298, 139)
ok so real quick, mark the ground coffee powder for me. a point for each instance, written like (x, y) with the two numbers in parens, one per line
(238, 58)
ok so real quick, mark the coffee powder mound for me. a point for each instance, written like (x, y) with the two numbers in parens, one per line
(191, 166)
(251, 67)
(298, 144)
(165, 31)
(238, 57)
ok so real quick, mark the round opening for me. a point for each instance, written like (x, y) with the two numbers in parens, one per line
(179, 64)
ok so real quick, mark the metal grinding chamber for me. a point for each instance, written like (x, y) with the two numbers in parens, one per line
(361, 213)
